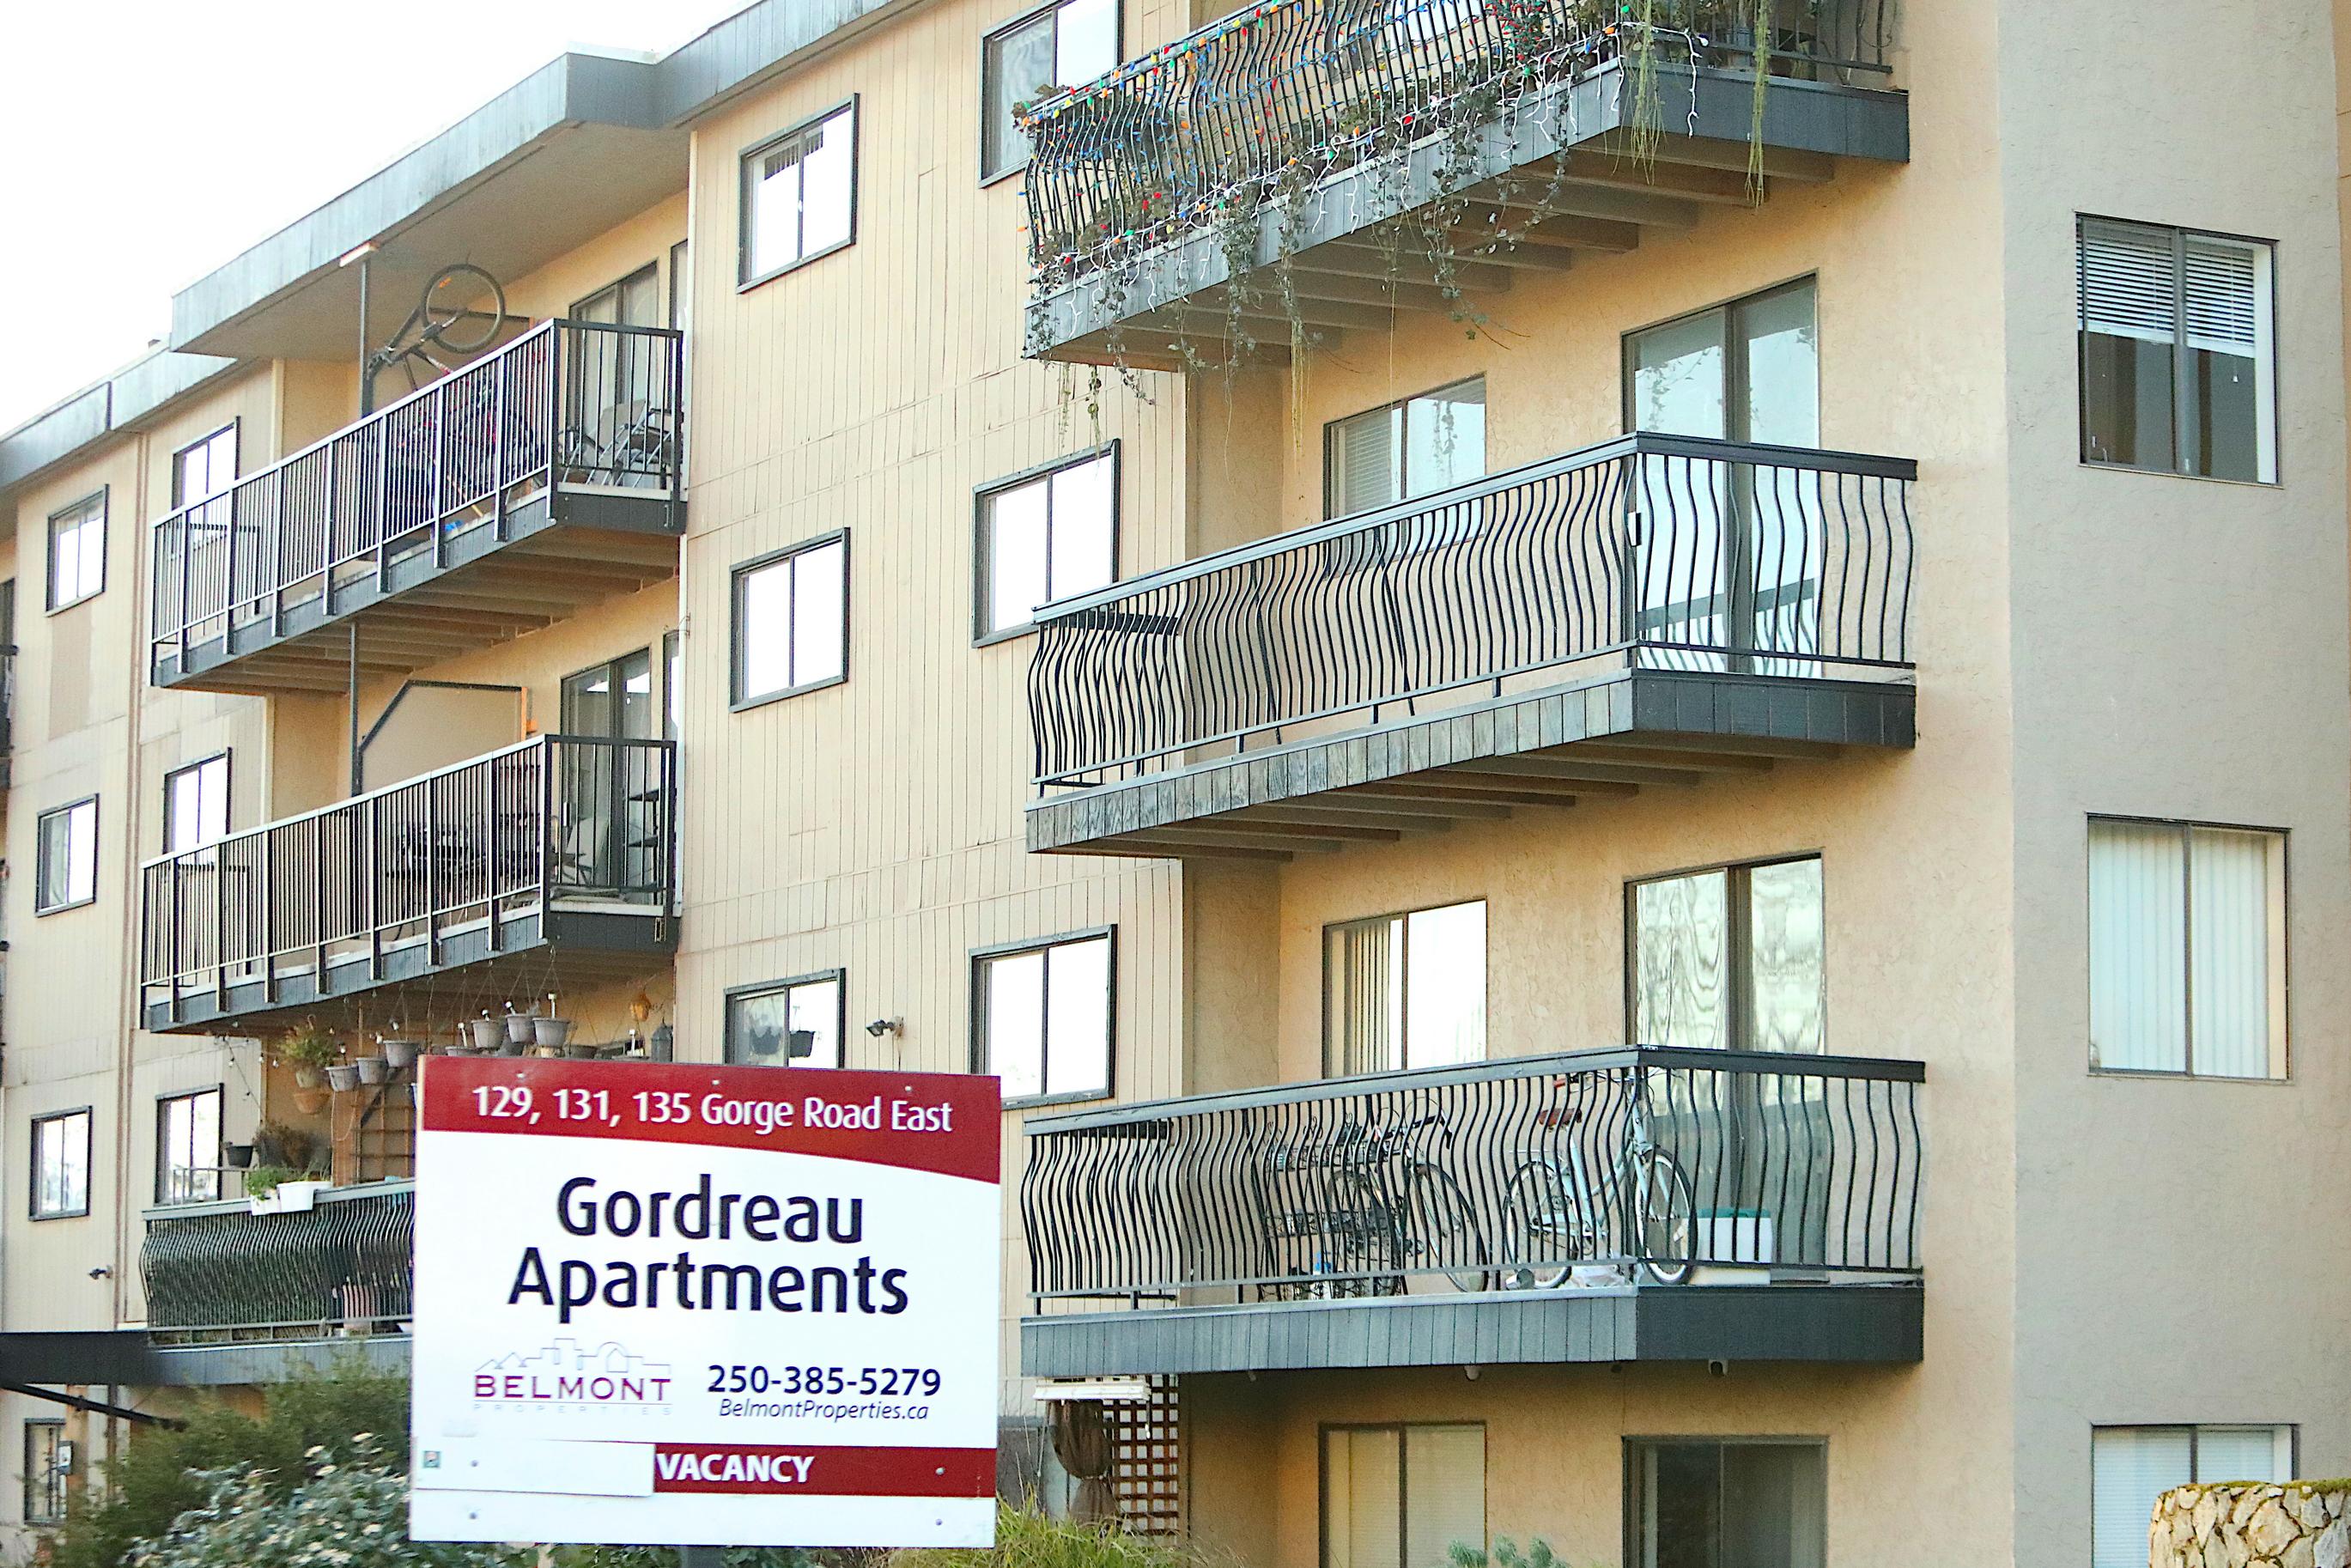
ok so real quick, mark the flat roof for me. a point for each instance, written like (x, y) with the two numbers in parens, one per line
(575, 147)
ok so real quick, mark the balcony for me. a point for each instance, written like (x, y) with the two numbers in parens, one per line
(219, 1273)
(540, 867)
(1343, 142)
(509, 495)
(1642, 1204)
(1637, 615)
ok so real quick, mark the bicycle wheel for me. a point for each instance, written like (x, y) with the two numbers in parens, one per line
(1544, 1229)
(1445, 1226)
(1663, 1215)
(447, 309)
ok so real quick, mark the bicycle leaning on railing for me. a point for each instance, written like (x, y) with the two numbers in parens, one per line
(1377, 1206)
(1559, 1210)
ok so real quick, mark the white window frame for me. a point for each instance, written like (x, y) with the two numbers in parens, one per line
(195, 1178)
(2264, 324)
(985, 555)
(1400, 413)
(215, 448)
(80, 819)
(2285, 1435)
(984, 1049)
(1400, 981)
(800, 139)
(737, 1051)
(990, 173)
(739, 630)
(2279, 955)
(77, 540)
(59, 1125)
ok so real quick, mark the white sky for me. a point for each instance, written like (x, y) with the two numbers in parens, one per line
(143, 142)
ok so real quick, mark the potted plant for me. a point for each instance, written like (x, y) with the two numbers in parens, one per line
(262, 1180)
(309, 1049)
(310, 1102)
(275, 1143)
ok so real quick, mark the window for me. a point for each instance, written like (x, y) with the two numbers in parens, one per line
(2186, 949)
(1041, 1018)
(1065, 43)
(1402, 1497)
(1415, 447)
(791, 621)
(789, 1023)
(64, 872)
(188, 1147)
(612, 701)
(673, 686)
(1734, 956)
(1405, 991)
(48, 1460)
(1736, 1504)
(203, 469)
(61, 1165)
(2178, 358)
(1747, 371)
(196, 805)
(77, 552)
(2130, 1466)
(799, 195)
(1046, 535)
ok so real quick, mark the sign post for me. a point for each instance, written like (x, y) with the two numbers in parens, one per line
(708, 1305)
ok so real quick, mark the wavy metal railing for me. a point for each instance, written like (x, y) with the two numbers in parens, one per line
(1219, 118)
(218, 1270)
(555, 817)
(568, 404)
(1639, 1163)
(1664, 551)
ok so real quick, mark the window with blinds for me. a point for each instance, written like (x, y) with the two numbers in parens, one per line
(2186, 949)
(2130, 1466)
(1405, 991)
(1417, 446)
(799, 195)
(1402, 1497)
(2178, 354)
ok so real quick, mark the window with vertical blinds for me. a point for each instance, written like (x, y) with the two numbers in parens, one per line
(1405, 991)
(2130, 1466)
(2186, 949)
(1402, 1497)
(2178, 358)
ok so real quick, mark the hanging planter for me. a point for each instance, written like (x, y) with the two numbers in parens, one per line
(308, 1077)
(237, 1156)
(519, 1031)
(487, 1034)
(400, 1055)
(343, 1077)
(551, 1031)
(372, 1071)
(309, 1102)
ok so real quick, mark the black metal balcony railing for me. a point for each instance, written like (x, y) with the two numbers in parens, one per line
(1212, 122)
(1631, 1165)
(218, 1270)
(1662, 551)
(570, 404)
(555, 819)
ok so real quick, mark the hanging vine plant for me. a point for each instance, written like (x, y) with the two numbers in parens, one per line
(1258, 112)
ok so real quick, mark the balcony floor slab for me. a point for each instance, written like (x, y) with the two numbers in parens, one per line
(1610, 736)
(1839, 1324)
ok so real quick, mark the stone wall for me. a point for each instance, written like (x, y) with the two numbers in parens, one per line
(2294, 1524)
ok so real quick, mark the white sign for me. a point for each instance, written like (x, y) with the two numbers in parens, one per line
(704, 1306)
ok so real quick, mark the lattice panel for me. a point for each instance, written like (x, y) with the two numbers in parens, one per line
(1147, 1476)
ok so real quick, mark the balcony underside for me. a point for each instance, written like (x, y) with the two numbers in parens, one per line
(1611, 737)
(1603, 200)
(435, 985)
(560, 554)
(1876, 1323)
(128, 1358)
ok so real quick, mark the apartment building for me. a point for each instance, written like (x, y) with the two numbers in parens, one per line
(1648, 797)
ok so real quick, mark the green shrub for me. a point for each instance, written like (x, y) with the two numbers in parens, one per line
(1026, 1538)
(351, 1515)
(160, 1473)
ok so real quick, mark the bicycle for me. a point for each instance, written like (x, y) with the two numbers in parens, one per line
(1644, 1208)
(1394, 1210)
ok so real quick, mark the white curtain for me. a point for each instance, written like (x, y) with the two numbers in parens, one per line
(2139, 942)
(1445, 1495)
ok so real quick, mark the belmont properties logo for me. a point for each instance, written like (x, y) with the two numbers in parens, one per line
(565, 1375)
